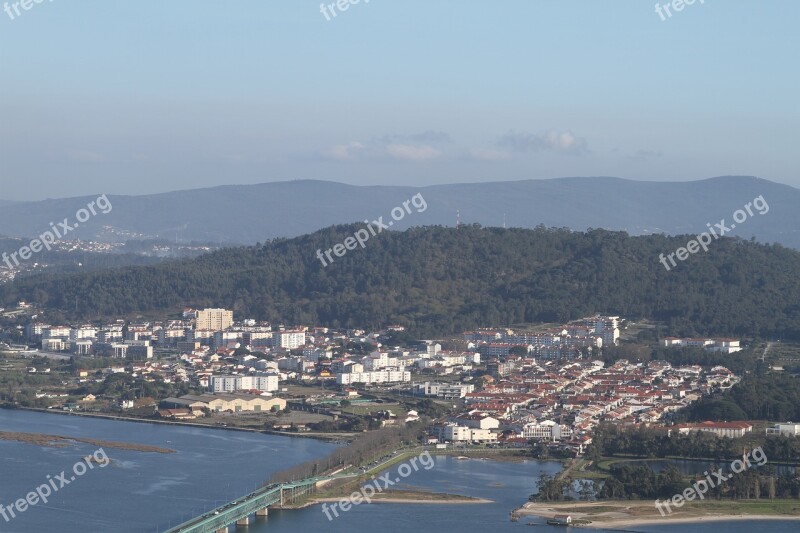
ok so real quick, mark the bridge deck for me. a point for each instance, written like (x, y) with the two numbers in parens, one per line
(243, 507)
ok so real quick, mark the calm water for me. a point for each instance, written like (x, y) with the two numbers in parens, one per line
(146, 492)
(138, 492)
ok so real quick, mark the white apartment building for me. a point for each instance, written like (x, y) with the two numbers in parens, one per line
(448, 391)
(222, 338)
(110, 334)
(84, 332)
(233, 383)
(112, 349)
(170, 335)
(713, 345)
(54, 344)
(457, 433)
(257, 338)
(289, 339)
(379, 376)
(82, 347)
(55, 332)
(476, 421)
(378, 361)
(546, 430)
(791, 430)
(35, 329)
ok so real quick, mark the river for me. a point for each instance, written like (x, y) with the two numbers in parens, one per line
(148, 492)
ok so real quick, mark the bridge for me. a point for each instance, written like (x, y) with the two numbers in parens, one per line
(256, 503)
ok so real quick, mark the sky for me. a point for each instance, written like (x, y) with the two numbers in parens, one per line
(123, 97)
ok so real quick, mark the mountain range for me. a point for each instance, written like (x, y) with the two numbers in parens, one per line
(247, 214)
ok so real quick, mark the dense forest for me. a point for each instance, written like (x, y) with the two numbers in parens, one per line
(437, 280)
(759, 396)
(610, 440)
(641, 482)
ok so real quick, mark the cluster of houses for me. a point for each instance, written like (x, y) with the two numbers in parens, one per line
(567, 342)
(563, 403)
(513, 385)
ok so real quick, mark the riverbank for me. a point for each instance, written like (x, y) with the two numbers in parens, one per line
(332, 437)
(402, 497)
(414, 497)
(617, 514)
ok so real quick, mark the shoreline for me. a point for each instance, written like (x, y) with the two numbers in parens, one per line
(621, 514)
(465, 500)
(173, 423)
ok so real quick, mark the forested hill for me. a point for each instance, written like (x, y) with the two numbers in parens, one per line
(438, 280)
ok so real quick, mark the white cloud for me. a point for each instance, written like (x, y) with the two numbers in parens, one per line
(556, 141)
(413, 153)
(416, 147)
(426, 137)
(345, 151)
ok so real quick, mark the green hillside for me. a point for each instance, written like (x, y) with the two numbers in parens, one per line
(438, 280)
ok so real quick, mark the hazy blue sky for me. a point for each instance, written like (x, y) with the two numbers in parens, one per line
(106, 96)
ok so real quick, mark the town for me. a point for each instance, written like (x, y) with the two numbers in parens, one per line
(488, 387)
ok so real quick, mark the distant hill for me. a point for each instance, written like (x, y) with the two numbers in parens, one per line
(246, 214)
(437, 280)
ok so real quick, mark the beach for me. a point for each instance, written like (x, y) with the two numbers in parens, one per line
(618, 514)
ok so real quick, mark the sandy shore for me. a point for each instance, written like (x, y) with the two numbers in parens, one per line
(61, 441)
(377, 499)
(626, 514)
(614, 524)
(332, 437)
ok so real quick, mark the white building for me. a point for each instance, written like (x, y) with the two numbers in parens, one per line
(232, 383)
(214, 319)
(448, 391)
(56, 332)
(379, 376)
(82, 347)
(477, 421)
(378, 361)
(84, 332)
(54, 344)
(791, 430)
(258, 338)
(545, 430)
(457, 433)
(289, 339)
